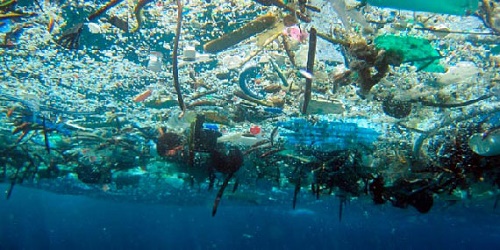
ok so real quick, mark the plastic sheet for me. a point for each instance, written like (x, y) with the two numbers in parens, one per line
(415, 50)
(326, 135)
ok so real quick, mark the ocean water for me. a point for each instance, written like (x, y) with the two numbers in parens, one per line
(40, 220)
(322, 124)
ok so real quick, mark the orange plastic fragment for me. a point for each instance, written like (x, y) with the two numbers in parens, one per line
(142, 96)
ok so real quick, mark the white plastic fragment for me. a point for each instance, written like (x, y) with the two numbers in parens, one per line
(94, 28)
(189, 53)
(462, 72)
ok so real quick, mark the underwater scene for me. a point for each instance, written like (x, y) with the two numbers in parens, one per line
(251, 124)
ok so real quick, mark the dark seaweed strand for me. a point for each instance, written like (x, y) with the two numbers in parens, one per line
(422, 67)
(342, 202)
(37, 2)
(103, 9)
(432, 58)
(13, 181)
(236, 184)
(220, 193)
(296, 192)
(174, 57)
(454, 31)
(454, 105)
(310, 68)
(45, 135)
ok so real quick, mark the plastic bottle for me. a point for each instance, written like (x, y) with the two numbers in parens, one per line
(485, 146)
(453, 7)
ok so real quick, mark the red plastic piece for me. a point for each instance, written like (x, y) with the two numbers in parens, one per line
(254, 130)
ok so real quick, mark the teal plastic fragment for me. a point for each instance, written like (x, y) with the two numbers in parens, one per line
(495, 50)
(453, 7)
(415, 50)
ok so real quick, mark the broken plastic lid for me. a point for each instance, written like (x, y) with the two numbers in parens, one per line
(453, 7)
(417, 51)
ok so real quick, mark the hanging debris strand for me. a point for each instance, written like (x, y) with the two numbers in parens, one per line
(310, 68)
(175, 66)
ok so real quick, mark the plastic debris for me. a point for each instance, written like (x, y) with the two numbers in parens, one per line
(189, 53)
(326, 135)
(249, 76)
(324, 107)
(258, 25)
(143, 96)
(155, 61)
(418, 51)
(71, 116)
(255, 130)
(485, 146)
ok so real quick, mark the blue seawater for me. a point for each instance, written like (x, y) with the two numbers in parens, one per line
(34, 219)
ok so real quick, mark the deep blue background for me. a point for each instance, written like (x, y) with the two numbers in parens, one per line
(34, 219)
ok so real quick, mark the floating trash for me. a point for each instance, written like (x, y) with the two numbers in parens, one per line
(486, 144)
(155, 61)
(417, 51)
(255, 130)
(248, 78)
(293, 96)
(326, 135)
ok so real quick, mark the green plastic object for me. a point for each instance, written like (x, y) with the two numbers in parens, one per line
(495, 50)
(415, 50)
(453, 7)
